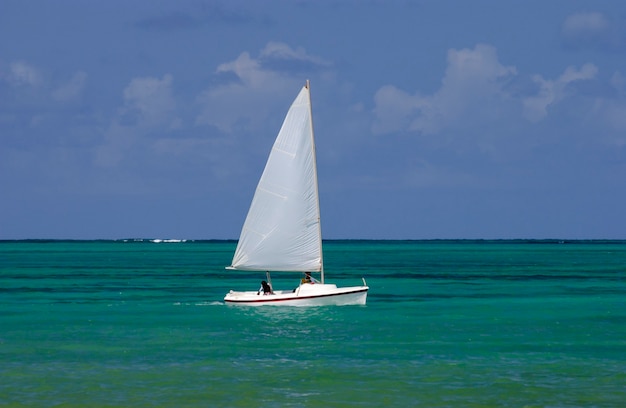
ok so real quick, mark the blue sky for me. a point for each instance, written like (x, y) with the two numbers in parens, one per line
(433, 119)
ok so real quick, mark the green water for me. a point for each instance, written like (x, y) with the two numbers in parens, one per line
(447, 324)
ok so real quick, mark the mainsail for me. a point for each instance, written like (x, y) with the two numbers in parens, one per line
(282, 229)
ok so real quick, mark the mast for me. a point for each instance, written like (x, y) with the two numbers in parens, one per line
(317, 193)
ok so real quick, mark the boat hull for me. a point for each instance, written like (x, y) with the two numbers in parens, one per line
(304, 295)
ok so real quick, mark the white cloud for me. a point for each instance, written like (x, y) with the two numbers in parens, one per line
(553, 91)
(245, 101)
(589, 29)
(473, 91)
(148, 107)
(248, 71)
(258, 88)
(283, 51)
(590, 22)
(395, 109)
(149, 101)
(28, 82)
(618, 82)
(72, 89)
(472, 87)
(611, 111)
(474, 69)
(22, 73)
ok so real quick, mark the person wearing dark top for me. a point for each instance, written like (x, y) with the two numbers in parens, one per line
(265, 288)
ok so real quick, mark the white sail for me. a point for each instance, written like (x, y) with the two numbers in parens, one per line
(282, 229)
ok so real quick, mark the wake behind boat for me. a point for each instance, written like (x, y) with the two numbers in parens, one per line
(282, 231)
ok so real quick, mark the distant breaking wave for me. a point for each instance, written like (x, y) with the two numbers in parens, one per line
(155, 240)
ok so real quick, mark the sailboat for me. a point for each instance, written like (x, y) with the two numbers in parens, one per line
(282, 231)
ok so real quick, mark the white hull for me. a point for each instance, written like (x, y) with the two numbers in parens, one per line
(304, 295)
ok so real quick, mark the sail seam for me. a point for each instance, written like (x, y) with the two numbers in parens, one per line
(284, 197)
(285, 151)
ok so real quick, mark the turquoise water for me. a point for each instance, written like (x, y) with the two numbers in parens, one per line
(447, 324)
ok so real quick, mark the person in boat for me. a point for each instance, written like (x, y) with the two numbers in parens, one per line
(308, 278)
(265, 288)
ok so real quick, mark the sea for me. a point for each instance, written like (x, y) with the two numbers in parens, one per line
(142, 323)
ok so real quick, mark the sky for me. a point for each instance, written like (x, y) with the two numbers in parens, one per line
(433, 119)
